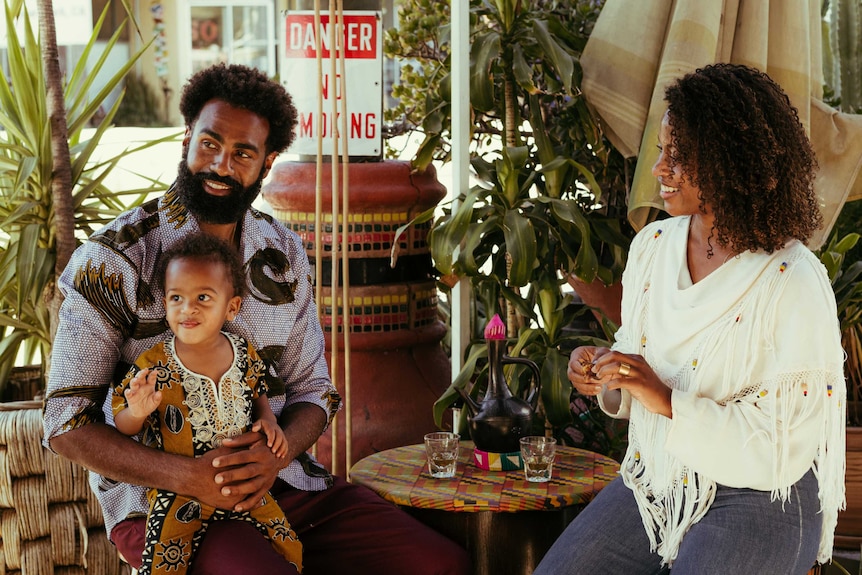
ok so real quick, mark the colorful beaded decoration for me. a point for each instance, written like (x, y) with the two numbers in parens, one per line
(782, 267)
(829, 390)
(657, 234)
(694, 364)
(805, 389)
(762, 393)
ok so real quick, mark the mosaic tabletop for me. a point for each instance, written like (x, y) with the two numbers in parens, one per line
(401, 476)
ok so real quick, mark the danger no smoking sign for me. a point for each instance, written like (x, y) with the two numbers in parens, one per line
(362, 44)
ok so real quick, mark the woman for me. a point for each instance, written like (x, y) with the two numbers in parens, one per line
(728, 363)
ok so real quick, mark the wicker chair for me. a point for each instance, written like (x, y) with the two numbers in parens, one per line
(50, 521)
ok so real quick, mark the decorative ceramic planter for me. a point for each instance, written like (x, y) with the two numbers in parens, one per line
(595, 294)
(398, 368)
(848, 534)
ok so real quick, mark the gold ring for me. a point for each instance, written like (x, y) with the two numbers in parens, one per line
(625, 369)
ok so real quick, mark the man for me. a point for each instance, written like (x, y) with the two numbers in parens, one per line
(237, 122)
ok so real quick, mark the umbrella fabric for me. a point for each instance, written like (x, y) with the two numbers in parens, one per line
(637, 48)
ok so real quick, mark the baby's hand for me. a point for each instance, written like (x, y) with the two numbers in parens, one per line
(141, 395)
(275, 438)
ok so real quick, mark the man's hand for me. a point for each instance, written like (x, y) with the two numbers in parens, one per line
(244, 470)
(102, 449)
(235, 476)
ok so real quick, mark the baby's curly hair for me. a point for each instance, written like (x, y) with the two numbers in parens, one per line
(246, 88)
(206, 248)
(738, 138)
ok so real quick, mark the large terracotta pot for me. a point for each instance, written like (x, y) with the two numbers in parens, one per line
(848, 534)
(398, 368)
(607, 299)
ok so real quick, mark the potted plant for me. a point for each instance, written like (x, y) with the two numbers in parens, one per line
(52, 195)
(846, 277)
(550, 198)
(29, 219)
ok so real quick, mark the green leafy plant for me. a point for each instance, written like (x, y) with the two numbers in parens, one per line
(550, 197)
(28, 216)
(846, 278)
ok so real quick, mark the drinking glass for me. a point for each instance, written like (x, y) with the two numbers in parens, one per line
(537, 453)
(441, 448)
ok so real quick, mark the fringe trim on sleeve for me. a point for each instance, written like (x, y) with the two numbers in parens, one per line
(827, 401)
(830, 465)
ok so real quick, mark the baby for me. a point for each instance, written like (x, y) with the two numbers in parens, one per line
(193, 390)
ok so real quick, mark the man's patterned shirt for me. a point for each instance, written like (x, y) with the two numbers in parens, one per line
(113, 311)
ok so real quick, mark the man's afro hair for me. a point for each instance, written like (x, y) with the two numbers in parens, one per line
(246, 88)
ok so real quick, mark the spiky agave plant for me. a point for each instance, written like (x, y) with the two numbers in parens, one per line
(29, 219)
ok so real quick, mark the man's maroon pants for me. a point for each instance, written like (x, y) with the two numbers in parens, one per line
(344, 529)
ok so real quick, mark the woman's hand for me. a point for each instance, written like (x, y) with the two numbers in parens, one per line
(591, 368)
(581, 372)
(632, 373)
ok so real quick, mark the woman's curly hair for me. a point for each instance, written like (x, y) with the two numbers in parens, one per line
(246, 88)
(738, 139)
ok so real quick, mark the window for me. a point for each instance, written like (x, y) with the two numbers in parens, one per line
(234, 31)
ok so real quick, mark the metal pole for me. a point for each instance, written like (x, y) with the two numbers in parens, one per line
(460, 304)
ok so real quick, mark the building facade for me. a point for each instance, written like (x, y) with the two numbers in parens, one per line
(188, 35)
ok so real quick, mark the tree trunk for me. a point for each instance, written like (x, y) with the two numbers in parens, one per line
(513, 322)
(61, 182)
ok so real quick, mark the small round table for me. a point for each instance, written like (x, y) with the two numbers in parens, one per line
(505, 522)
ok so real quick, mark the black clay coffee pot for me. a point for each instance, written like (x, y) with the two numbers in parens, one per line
(501, 418)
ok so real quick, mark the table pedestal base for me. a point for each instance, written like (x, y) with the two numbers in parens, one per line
(500, 542)
(505, 523)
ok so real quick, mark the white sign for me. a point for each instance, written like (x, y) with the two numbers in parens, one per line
(73, 21)
(362, 44)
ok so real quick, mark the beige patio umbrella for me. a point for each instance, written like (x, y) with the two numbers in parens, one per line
(639, 46)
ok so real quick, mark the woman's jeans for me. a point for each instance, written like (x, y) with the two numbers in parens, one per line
(743, 532)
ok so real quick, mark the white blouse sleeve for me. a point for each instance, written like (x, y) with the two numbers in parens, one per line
(775, 429)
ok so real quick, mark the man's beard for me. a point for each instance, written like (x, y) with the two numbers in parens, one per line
(212, 209)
